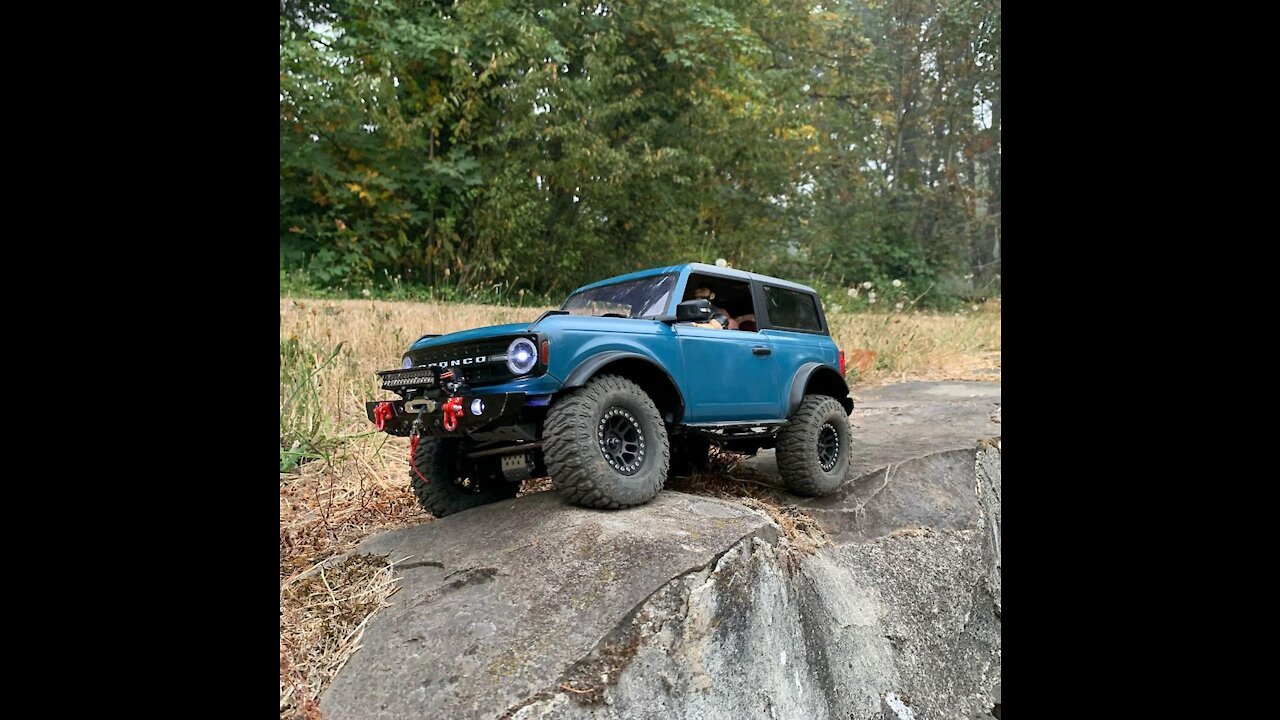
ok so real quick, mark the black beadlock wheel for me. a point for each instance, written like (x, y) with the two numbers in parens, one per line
(605, 445)
(828, 447)
(814, 447)
(621, 440)
(454, 482)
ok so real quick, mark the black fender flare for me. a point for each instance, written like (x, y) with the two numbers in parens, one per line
(589, 367)
(828, 376)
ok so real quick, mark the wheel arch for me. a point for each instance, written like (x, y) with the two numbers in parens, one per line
(649, 375)
(818, 379)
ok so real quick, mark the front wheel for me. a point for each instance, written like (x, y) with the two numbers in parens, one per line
(814, 447)
(445, 481)
(605, 445)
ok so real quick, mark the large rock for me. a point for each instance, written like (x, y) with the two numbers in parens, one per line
(905, 624)
(935, 491)
(496, 602)
(690, 607)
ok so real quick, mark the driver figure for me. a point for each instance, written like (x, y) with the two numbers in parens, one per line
(720, 318)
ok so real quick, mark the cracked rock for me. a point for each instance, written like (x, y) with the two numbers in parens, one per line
(691, 607)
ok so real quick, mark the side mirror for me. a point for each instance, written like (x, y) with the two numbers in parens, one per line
(694, 311)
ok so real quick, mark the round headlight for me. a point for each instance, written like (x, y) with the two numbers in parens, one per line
(522, 355)
(408, 363)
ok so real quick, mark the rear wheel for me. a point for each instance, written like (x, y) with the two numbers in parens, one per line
(605, 445)
(445, 481)
(814, 447)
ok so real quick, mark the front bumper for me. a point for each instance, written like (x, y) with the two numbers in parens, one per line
(495, 409)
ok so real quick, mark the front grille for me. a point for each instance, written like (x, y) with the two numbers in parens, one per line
(482, 362)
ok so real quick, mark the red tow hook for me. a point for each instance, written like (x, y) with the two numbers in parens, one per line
(452, 413)
(381, 414)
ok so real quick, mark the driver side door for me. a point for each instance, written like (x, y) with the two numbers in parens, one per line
(729, 375)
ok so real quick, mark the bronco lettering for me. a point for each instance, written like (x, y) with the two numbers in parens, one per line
(455, 363)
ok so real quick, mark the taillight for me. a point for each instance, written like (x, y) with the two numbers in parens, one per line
(544, 351)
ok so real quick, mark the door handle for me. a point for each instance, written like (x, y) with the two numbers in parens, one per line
(760, 350)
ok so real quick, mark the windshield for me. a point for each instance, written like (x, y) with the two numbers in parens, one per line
(646, 297)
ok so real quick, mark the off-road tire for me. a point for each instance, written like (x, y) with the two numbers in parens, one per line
(800, 454)
(440, 460)
(574, 447)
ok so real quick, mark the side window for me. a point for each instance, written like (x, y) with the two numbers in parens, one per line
(791, 310)
(729, 296)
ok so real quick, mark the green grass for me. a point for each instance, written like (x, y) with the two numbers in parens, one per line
(306, 432)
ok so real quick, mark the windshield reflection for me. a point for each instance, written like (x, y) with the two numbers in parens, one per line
(643, 298)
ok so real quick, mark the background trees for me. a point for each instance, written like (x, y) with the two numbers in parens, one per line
(547, 144)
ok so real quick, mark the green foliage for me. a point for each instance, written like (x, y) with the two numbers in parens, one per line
(305, 428)
(488, 148)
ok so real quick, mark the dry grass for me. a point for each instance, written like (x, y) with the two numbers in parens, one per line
(922, 347)
(359, 485)
(323, 615)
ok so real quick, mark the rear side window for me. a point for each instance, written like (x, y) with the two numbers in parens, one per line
(792, 310)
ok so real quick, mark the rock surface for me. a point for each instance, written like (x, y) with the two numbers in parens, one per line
(893, 423)
(691, 607)
(496, 602)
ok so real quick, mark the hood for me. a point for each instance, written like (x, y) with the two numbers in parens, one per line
(595, 323)
(471, 335)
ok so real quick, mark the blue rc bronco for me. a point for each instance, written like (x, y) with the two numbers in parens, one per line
(632, 379)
